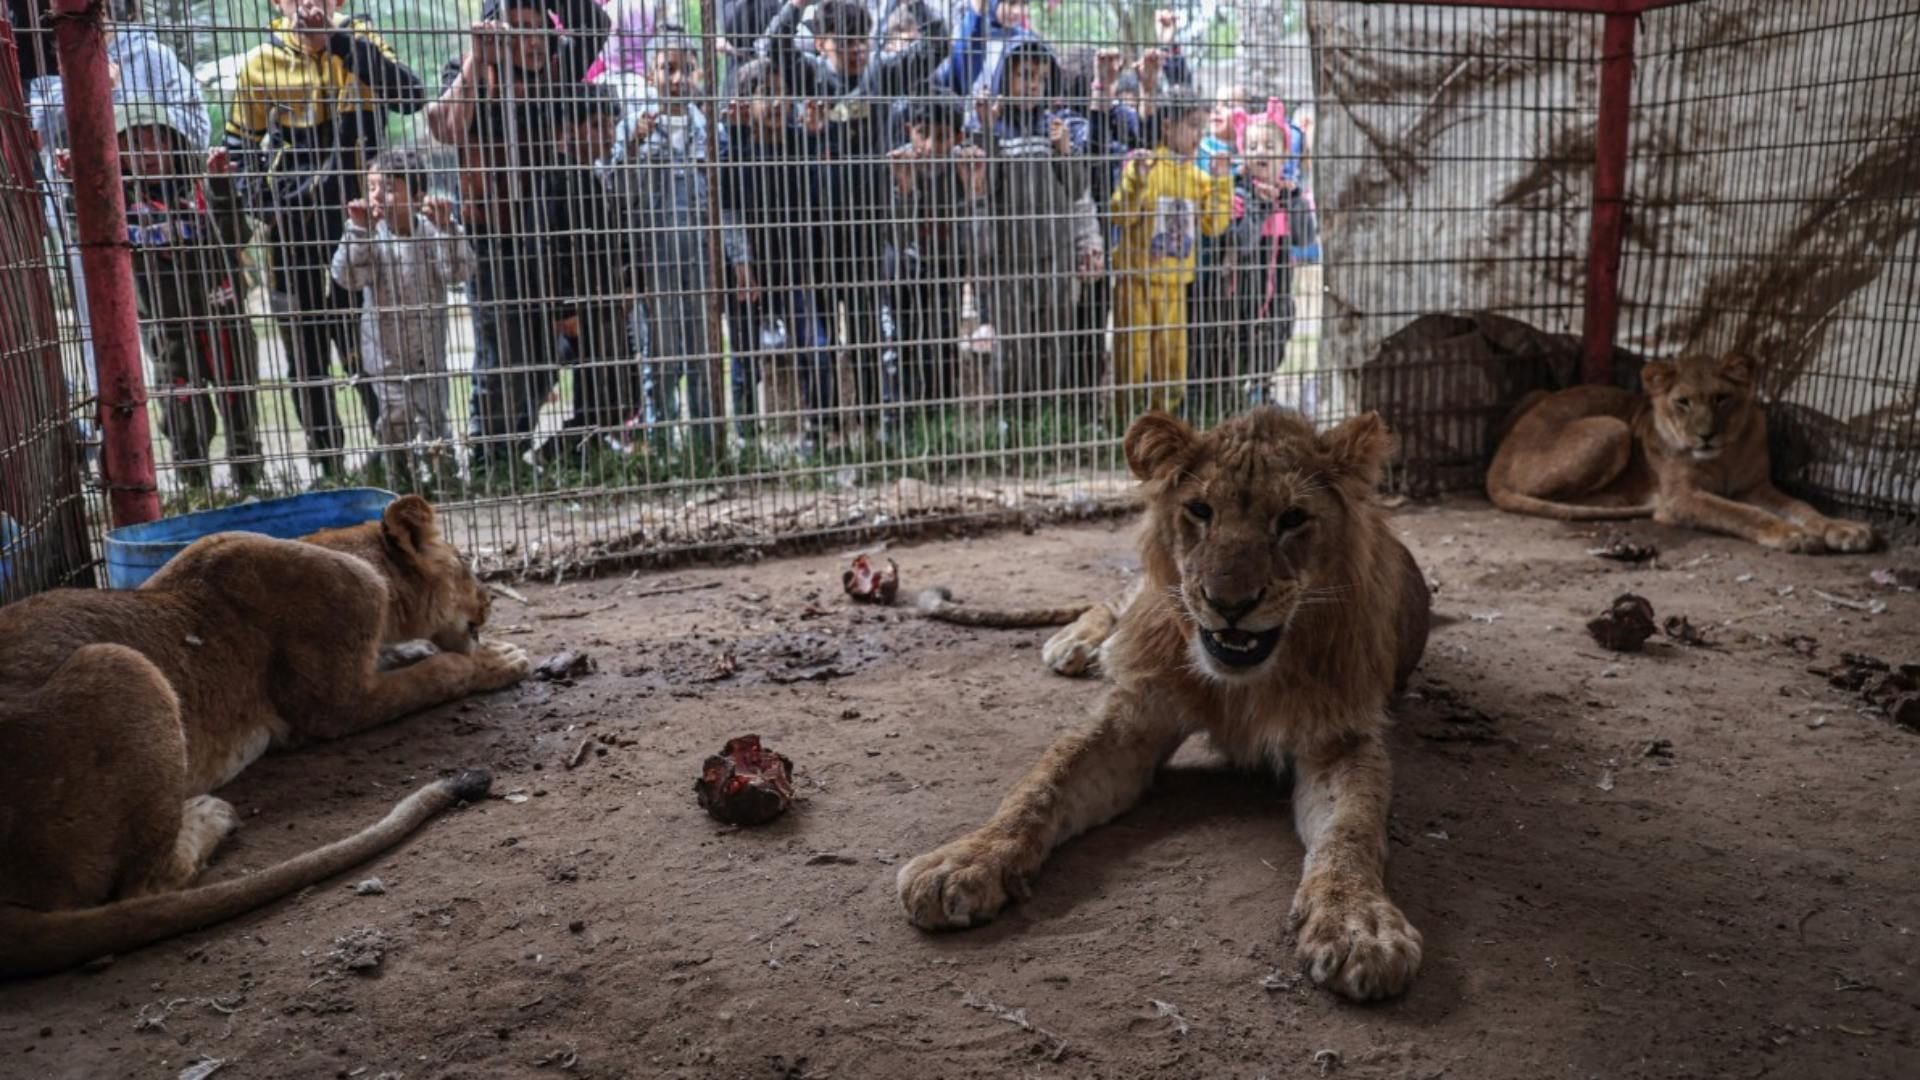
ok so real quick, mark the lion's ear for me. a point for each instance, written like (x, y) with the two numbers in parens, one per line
(1360, 447)
(1656, 376)
(1737, 367)
(409, 525)
(1155, 443)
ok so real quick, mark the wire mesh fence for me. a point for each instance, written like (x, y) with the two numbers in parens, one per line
(43, 510)
(661, 275)
(655, 275)
(1777, 180)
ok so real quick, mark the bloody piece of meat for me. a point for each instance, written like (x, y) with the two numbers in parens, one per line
(745, 783)
(868, 584)
(1626, 626)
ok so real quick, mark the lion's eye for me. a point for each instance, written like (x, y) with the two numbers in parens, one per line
(1683, 402)
(1200, 510)
(1293, 519)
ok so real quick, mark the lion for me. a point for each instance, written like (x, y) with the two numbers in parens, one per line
(1692, 452)
(120, 711)
(1277, 614)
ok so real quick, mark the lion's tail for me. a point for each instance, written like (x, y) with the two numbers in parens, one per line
(1515, 503)
(938, 604)
(36, 942)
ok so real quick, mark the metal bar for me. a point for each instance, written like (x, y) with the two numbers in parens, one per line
(101, 213)
(1573, 7)
(713, 365)
(1640, 7)
(1602, 316)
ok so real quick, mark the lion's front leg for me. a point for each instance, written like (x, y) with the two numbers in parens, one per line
(1835, 534)
(1351, 937)
(1087, 777)
(373, 696)
(1701, 510)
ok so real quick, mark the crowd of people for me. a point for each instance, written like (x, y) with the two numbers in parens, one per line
(773, 230)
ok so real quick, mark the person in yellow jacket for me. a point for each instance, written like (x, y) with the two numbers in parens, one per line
(1165, 201)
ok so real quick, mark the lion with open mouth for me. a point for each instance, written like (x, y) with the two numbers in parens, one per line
(1278, 614)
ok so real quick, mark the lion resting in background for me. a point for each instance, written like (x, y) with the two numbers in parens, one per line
(1277, 615)
(1692, 452)
(119, 711)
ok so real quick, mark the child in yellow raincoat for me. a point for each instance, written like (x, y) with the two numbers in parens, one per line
(1164, 203)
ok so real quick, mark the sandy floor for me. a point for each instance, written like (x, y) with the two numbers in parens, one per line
(1693, 863)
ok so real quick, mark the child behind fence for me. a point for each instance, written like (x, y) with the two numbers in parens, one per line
(1262, 284)
(1163, 205)
(658, 170)
(594, 280)
(401, 252)
(1216, 358)
(771, 189)
(851, 120)
(1034, 229)
(931, 186)
(184, 228)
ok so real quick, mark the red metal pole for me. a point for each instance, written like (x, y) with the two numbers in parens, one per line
(101, 215)
(1609, 200)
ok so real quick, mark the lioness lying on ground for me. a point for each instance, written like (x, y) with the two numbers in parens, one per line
(119, 711)
(1277, 616)
(1692, 452)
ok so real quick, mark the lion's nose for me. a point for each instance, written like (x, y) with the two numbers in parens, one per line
(1231, 610)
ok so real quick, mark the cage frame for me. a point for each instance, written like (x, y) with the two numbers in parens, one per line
(100, 214)
(131, 462)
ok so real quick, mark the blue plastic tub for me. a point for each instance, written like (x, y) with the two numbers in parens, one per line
(135, 552)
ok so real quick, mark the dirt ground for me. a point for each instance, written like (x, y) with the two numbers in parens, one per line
(1680, 863)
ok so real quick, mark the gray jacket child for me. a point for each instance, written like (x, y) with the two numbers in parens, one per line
(661, 180)
(403, 282)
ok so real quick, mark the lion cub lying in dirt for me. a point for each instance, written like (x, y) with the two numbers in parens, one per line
(1693, 451)
(1277, 616)
(119, 711)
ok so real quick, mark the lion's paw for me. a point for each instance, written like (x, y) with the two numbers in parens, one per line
(1359, 946)
(1795, 541)
(499, 664)
(212, 816)
(1072, 652)
(1849, 536)
(205, 821)
(962, 884)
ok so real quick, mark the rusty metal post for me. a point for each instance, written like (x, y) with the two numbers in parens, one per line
(101, 215)
(1602, 316)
